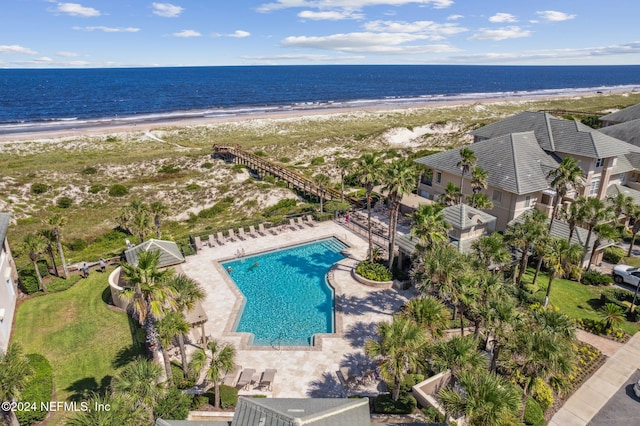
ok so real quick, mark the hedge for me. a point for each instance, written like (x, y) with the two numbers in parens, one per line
(384, 404)
(373, 271)
(596, 278)
(614, 254)
(533, 414)
(228, 396)
(179, 378)
(39, 388)
(173, 405)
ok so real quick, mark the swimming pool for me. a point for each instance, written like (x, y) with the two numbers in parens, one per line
(287, 297)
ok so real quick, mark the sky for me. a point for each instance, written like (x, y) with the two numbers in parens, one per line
(141, 33)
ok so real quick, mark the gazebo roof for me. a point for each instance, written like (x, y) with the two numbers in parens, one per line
(170, 254)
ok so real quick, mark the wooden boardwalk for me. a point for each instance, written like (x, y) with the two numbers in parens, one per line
(293, 179)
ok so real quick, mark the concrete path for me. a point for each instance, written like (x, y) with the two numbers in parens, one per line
(606, 346)
(587, 401)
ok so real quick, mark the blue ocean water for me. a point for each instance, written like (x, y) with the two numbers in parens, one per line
(37, 97)
(287, 297)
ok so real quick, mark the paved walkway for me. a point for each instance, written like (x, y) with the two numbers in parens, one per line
(607, 346)
(587, 401)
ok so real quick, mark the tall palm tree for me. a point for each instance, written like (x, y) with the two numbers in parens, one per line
(467, 161)
(188, 293)
(451, 196)
(57, 221)
(149, 292)
(553, 321)
(478, 182)
(595, 212)
(491, 252)
(523, 235)
(429, 313)
(604, 232)
(458, 354)
(568, 175)
(574, 214)
(622, 206)
(400, 178)
(136, 218)
(560, 256)
(140, 380)
(343, 164)
(482, 201)
(321, 181)
(50, 238)
(15, 372)
(171, 325)
(429, 225)
(540, 250)
(35, 245)
(368, 170)
(501, 324)
(485, 399)
(398, 347)
(222, 360)
(158, 210)
(464, 294)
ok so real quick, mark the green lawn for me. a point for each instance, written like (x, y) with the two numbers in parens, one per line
(573, 298)
(84, 339)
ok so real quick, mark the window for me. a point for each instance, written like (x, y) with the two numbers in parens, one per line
(12, 293)
(426, 180)
(438, 177)
(497, 196)
(595, 186)
(599, 162)
(527, 201)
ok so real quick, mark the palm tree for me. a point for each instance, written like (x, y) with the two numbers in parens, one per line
(611, 315)
(57, 221)
(158, 210)
(595, 212)
(553, 321)
(429, 313)
(222, 360)
(344, 164)
(188, 293)
(171, 325)
(15, 372)
(574, 215)
(321, 181)
(478, 182)
(539, 250)
(35, 245)
(523, 235)
(467, 161)
(136, 218)
(485, 399)
(622, 206)
(451, 196)
(568, 175)
(148, 292)
(140, 380)
(502, 321)
(398, 346)
(635, 214)
(50, 238)
(368, 172)
(122, 411)
(482, 201)
(491, 252)
(400, 178)
(604, 232)
(429, 225)
(458, 354)
(464, 294)
(560, 256)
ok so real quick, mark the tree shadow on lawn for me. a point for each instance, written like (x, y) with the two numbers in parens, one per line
(81, 390)
(328, 386)
(360, 332)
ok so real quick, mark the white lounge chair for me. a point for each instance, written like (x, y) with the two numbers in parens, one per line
(300, 223)
(241, 234)
(221, 238)
(310, 220)
(292, 224)
(231, 377)
(212, 241)
(267, 378)
(252, 231)
(261, 229)
(245, 378)
(232, 235)
(198, 243)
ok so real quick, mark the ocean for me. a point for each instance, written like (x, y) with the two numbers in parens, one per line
(43, 99)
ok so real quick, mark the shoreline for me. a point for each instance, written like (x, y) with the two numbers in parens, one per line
(118, 126)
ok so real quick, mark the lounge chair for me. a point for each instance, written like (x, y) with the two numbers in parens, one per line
(232, 235)
(267, 378)
(221, 239)
(300, 223)
(252, 231)
(241, 234)
(310, 220)
(212, 241)
(231, 377)
(245, 378)
(261, 230)
(198, 243)
(292, 224)
(346, 376)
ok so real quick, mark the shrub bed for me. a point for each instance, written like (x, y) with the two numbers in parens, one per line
(384, 404)
(39, 388)
(614, 254)
(181, 381)
(174, 405)
(373, 271)
(596, 278)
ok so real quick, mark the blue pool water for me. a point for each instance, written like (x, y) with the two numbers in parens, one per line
(287, 297)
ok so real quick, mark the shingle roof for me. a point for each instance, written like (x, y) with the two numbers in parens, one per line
(616, 189)
(627, 114)
(629, 131)
(558, 135)
(5, 219)
(514, 162)
(625, 163)
(560, 229)
(302, 411)
(169, 252)
(462, 216)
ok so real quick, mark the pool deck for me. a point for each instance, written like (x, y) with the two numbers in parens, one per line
(301, 372)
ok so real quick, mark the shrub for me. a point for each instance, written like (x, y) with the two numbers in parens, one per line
(118, 190)
(43, 268)
(28, 281)
(206, 165)
(285, 160)
(384, 404)
(269, 179)
(173, 405)
(280, 208)
(228, 396)
(238, 168)
(77, 244)
(596, 278)
(317, 161)
(433, 415)
(336, 206)
(96, 187)
(374, 271)
(409, 381)
(39, 188)
(60, 284)
(193, 187)
(198, 401)
(614, 254)
(214, 210)
(89, 171)
(181, 381)
(39, 388)
(64, 202)
(542, 394)
(168, 168)
(260, 153)
(533, 414)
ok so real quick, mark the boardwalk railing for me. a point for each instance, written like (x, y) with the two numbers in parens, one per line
(293, 179)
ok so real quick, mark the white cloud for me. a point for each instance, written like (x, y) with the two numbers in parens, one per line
(554, 16)
(235, 34)
(187, 33)
(167, 10)
(368, 42)
(503, 17)
(454, 17)
(330, 15)
(500, 33)
(430, 29)
(14, 48)
(347, 4)
(67, 54)
(75, 9)
(108, 29)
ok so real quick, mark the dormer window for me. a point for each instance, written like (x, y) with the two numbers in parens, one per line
(599, 163)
